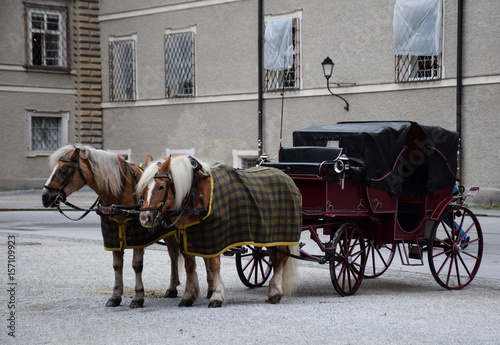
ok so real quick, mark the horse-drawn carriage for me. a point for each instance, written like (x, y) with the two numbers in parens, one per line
(374, 189)
(368, 190)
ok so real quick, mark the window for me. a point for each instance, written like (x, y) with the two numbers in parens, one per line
(122, 69)
(177, 152)
(48, 131)
(179, 64)
(282, 54)
(418, 32)
(245, 158)
(126, 154)
(47, 43)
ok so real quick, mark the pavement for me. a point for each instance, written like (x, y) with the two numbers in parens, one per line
(58, 290)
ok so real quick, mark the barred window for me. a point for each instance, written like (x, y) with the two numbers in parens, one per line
(179, 65)
(282, 55)
(122, 78)
(249, 162)
(417, 68)
(418, 32)
(47, 37)
(48, 131)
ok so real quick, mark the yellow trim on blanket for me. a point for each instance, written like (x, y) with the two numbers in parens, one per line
(123, 238)
(209, 256)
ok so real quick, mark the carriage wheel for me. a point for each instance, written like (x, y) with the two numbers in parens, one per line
(378, 258)
(347, 260)
(456, 248)
(253, 266)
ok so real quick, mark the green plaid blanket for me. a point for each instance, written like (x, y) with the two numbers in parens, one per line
(258, 206)
(129, 233)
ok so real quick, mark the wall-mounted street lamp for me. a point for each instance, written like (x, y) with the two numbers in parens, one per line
(327, 71)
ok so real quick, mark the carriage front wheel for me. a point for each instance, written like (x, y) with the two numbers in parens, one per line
(347, 262)
(253, 265)
(455, 248)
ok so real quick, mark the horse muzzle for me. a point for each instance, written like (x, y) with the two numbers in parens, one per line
(50, 198)
(149, 218)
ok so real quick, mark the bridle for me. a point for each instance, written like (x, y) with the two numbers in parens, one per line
(164, 220)
(61, 196)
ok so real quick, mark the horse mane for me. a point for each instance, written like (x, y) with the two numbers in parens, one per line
(106, 166)
(182, 176)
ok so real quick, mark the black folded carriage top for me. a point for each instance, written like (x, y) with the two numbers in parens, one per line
(396, 155)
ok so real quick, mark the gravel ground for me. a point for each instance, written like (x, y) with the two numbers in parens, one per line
(63, 285)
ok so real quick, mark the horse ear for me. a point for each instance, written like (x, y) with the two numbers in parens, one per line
(165, 167)
(149, 160)
(75, 155)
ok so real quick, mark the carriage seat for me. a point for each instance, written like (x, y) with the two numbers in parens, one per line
(309, 154)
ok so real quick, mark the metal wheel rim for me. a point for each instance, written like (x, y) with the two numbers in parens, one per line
(347, 260)
(455, 248)
(254, 267)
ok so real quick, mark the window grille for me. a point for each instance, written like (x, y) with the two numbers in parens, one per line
(122, 70)
(418, 32)
(249, 162)
(47, 37)
(411, 68)
(45, 133)
(179, 65)
(288, 79)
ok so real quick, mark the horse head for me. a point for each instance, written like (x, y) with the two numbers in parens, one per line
(157, 189)
(68, 175)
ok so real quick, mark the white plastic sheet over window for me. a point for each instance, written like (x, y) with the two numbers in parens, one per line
(278, 45)
(418, 27)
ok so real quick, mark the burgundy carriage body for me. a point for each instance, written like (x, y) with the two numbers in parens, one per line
(392, 179)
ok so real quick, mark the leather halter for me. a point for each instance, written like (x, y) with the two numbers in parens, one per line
(184, 210)
(76, 165)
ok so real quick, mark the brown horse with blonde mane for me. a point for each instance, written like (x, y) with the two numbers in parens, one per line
(114, 180)
(178, 190)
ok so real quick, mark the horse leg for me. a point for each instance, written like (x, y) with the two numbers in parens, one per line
(192, 285)
(210, 279)
(173, 252)
(282, 278)
(137, 265)
(116, 297)
(218, 291)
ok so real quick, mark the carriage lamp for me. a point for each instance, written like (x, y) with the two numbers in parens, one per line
(341, 166)
(327, 71)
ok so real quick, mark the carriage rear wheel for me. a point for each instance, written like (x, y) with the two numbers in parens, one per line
(347, 262)
(378, 258)
(455, 248)
(253, 265)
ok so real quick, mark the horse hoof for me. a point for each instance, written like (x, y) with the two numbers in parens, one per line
(136, 304)
(171, 294)
(215, 304)
(113, 302)
(209, 294)
(186, 303)
(274, 299)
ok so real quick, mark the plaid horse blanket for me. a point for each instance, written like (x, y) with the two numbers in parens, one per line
(129, 233)
(258, 206)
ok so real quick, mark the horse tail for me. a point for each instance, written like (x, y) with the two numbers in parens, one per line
(290, 270)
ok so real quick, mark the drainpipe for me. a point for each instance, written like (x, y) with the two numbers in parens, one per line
(459, 82)
(261, 71)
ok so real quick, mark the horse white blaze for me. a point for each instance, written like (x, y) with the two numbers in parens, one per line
(50, 177)
(151, 186)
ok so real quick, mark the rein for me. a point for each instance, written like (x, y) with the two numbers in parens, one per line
(184, 210)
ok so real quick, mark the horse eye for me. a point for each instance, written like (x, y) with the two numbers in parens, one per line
(161, 187)
(62, 171)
